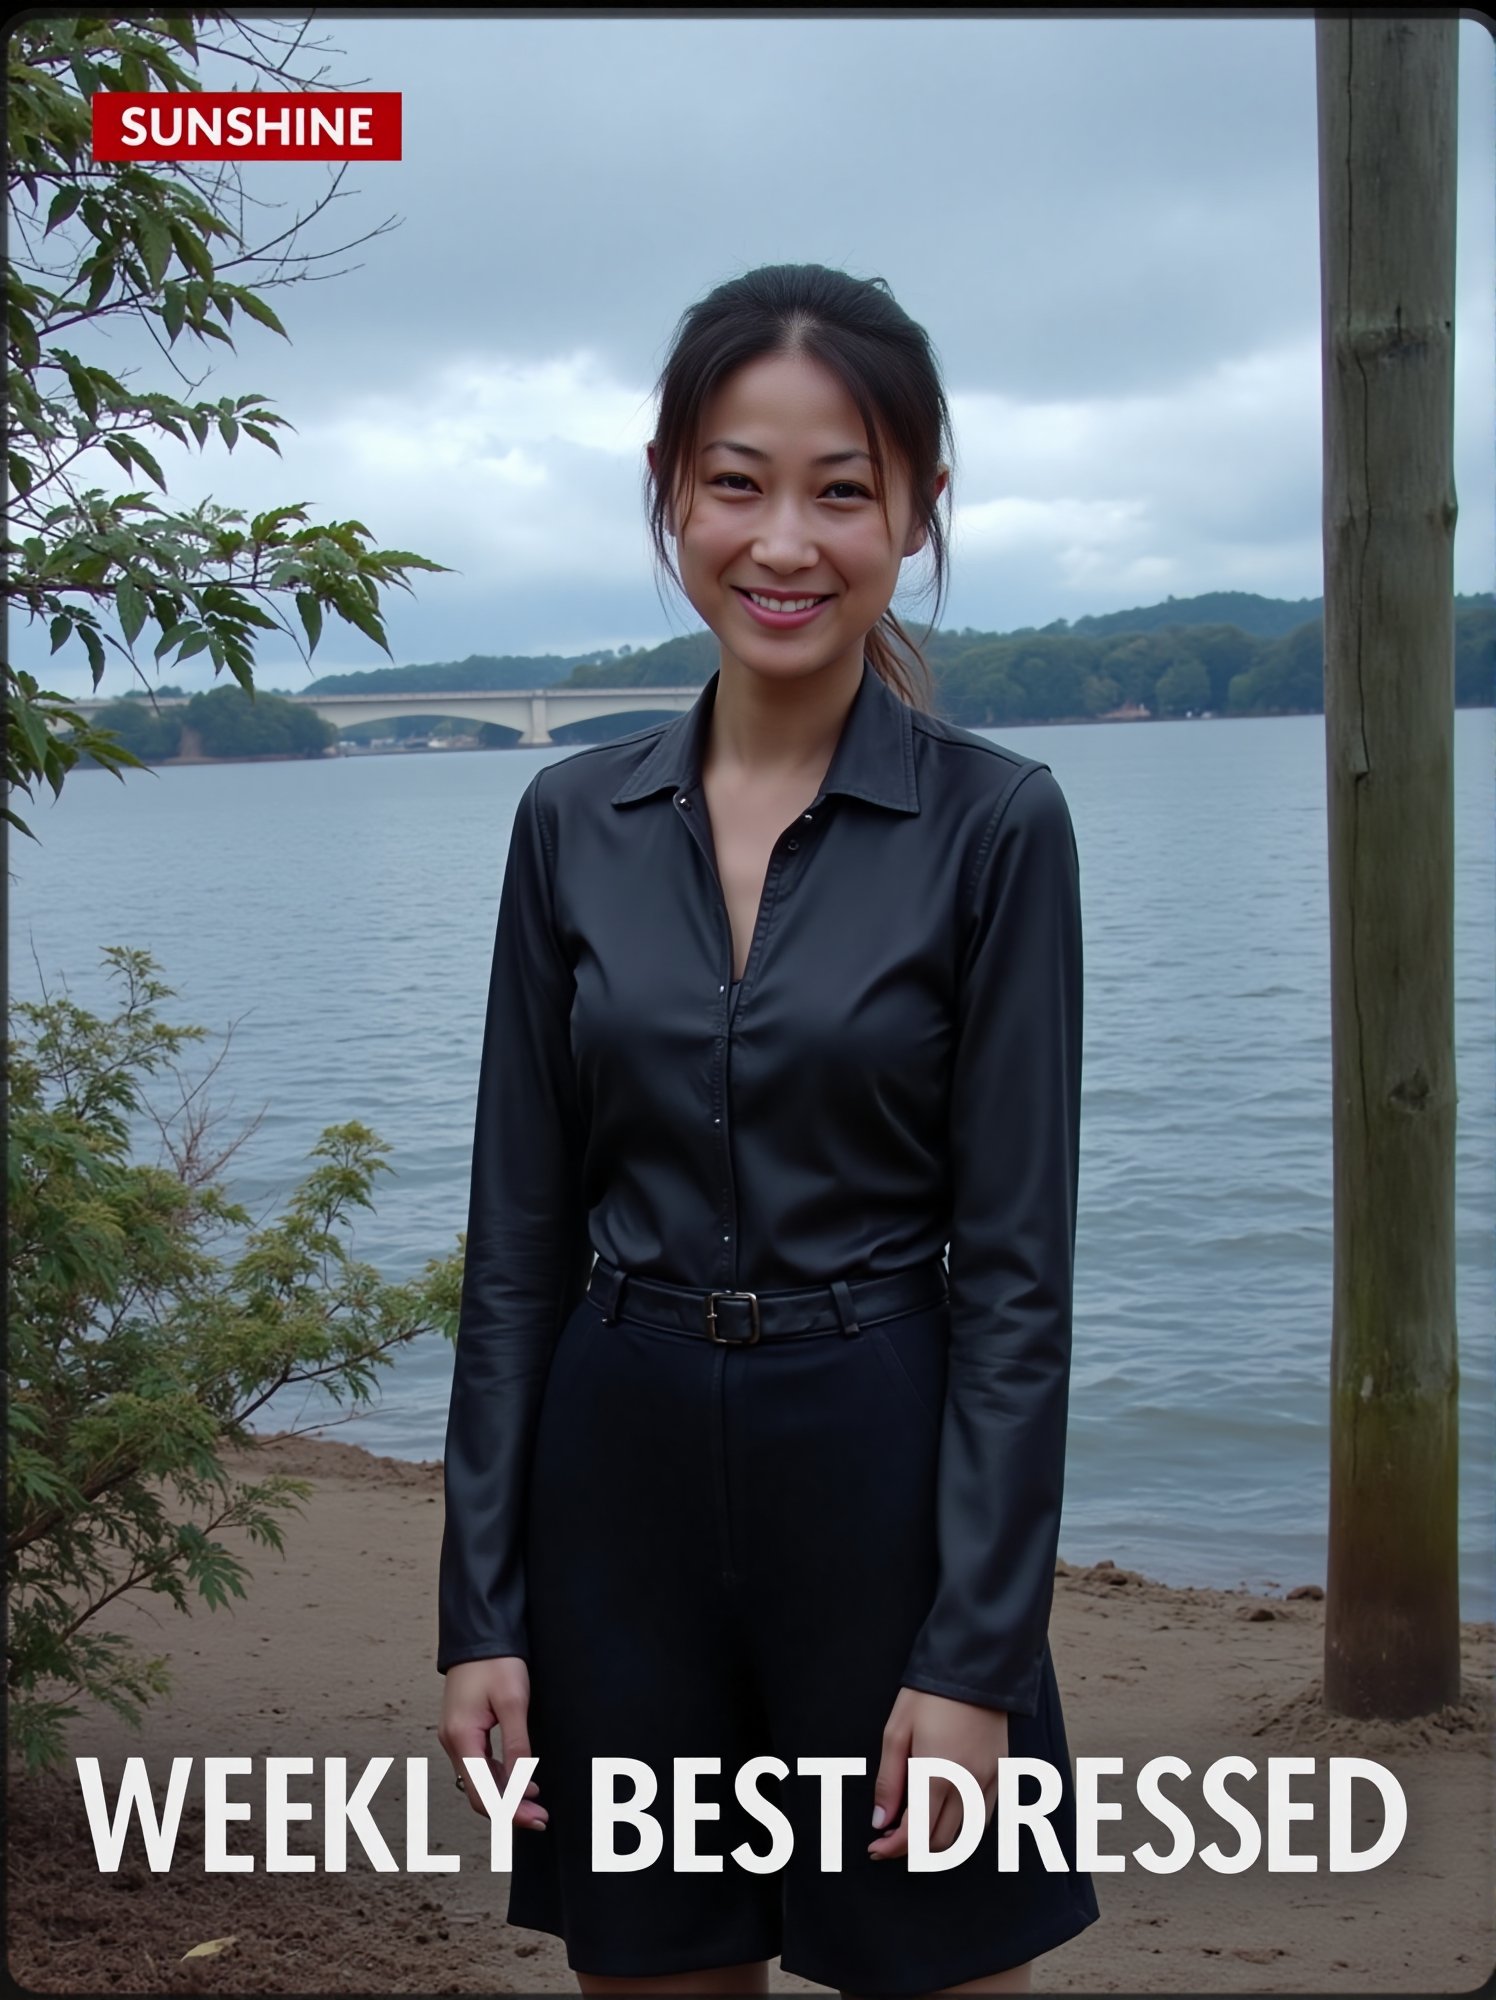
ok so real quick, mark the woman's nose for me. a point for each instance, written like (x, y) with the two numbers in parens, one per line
(784, 540)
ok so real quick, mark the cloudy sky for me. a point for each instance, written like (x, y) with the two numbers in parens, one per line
(1109, 228)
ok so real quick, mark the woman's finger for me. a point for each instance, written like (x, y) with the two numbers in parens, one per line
(893, 1767)
(513, 1716)
(893, 1843)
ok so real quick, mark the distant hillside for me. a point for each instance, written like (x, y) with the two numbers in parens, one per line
(1263, 617)
(490, 673)
(1227, 652)
(689, 661)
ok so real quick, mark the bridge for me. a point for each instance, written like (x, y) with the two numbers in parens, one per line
(531, 711)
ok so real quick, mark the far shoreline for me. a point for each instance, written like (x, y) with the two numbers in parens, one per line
(426, 750)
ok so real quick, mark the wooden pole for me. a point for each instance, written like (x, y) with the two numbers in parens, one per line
(1387, 91)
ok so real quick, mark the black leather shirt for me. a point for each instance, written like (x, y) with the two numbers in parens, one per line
(897, 1076)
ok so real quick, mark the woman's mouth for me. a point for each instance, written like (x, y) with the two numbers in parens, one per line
(781, 612)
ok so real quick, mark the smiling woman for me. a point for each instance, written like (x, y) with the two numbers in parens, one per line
(799, 372)
(788, 527)
(786, 1002)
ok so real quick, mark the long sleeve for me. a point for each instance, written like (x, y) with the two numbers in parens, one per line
(527, 1258)
(1014, 1141)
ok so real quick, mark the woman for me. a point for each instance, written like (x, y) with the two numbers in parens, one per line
(786, 999)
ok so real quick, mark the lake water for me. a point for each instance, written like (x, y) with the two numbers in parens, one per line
(341, 916)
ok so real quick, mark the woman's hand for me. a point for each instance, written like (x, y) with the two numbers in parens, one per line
(929, 1725)
(481, 1695)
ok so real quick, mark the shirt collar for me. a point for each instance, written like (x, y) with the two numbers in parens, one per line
(873, 759)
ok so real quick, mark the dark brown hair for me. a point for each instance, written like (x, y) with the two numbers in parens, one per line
(856, 328)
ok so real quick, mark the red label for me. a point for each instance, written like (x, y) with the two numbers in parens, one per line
(246, 125)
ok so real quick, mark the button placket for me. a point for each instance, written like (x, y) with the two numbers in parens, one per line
(730, 1237)
(698, 827)
(787, 844)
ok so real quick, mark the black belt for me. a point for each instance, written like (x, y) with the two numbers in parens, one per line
(739, 1319)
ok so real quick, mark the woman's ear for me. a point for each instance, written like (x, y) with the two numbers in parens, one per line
(919, 534)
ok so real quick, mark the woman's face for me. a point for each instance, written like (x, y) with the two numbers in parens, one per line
(785, 551)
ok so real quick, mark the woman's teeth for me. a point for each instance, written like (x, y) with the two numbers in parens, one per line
(782, 603)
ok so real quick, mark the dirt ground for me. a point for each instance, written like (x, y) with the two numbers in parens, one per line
(332, 1655)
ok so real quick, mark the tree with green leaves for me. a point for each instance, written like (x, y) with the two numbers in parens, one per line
(164, 246)
(1182, 687)
(138, 1355)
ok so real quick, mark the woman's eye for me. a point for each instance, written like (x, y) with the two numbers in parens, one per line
(840, 489)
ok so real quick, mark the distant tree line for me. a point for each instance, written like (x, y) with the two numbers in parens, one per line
(219, 722)
(1176, 658)
(1182, 657)
(480, 673)
(1142, 659)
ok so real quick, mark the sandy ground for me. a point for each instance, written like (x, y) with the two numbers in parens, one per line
(332, 1655)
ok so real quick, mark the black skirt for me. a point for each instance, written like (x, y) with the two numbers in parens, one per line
(729, 1553)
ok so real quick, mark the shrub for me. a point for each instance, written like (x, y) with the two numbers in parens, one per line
(138, 1354)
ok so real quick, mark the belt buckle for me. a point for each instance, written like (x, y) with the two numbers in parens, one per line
(711, 1318)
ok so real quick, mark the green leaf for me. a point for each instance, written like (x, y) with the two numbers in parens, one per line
(131, 608)
(154, 239)
(261, 435)
(228, 430)
(24, 335)
(173, 310)
(310, 608)
(147, 463)
(95, 649)
(192, 250)
(64, 202)
(82, 385)
(174, 634)
(35, 732)
(258, 310)
(265, 527)
(62, 626)
(350, 607)
(179, 26)
(103, 278)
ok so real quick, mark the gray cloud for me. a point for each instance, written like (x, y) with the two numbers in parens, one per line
(1109, 227)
